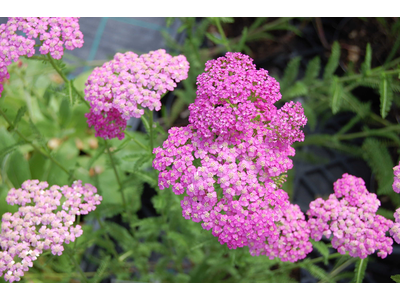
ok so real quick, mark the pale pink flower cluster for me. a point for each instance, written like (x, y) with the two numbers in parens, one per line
(124, 86)
(350, 216)
(40, 224)
(395, 230)
(54, 34)
(396, 182)
(232, 173)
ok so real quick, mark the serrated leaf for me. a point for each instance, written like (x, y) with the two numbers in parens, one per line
(378, 158)
(322, 248)
(98, 153)
(312, 70)
(316, 271)
(121, 234)
(239, 47)
(102, 268)
(291, 72)
(296, 90)
(108, 210)
(19, 115)
(159, 203)
(64, 113)
(11, 148)
(146, 123)
(213, 38)
(146, 178)
(336, 91)
(396, 278)
(333, 61)
(179, 240)
(257, 23)
(169, 21)
(18, 169)
(366, 65)
(359, 270)
(352, 103)
(386, 95)
(226, 19)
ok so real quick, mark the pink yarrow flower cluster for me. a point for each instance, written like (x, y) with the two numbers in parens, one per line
(396, 182)
(350, 216)
(124, 86)
(293, 243)
(232, 173)
(54, 34)
(395, 230)
(40, 224)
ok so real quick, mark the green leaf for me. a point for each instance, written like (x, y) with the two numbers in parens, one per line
(322, 248)
(296, 90)
(178, 239)
(386, 95)
(108, 210)
(396, 278)
(239, 46)
(102, 268)
(378, 158)
(19, 115)
(257, 23)
(18, 169)
(316, 271)
(333, 61)
(366, 65)
(121, 234)
(144, 177)
(11, 148)
(214, 39)
(312, 70)
(169, 21)
(64, 113)
(311, 116)
(98, 153)
(336, 91)
(359, 270)
(352, 103)
(291, 72)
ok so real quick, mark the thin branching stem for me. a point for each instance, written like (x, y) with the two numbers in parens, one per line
(67, 81)
(34, 146)
(116, 174)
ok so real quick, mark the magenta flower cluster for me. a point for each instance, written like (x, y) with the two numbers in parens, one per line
(124, 86)
(232, 158)
(40, 224)
(54, 34)
(350, 216)
(396, 182)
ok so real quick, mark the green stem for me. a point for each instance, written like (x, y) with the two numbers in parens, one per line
(151, 131)
(60, 72)
(222, 33)
(360, 272)
(135, 140)
(77, 266)
(114, 252)
(319, 259)
(76, 241)
(359, 76)
(116, 174)
(34, 146)
(368, 133)
(340, 268)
